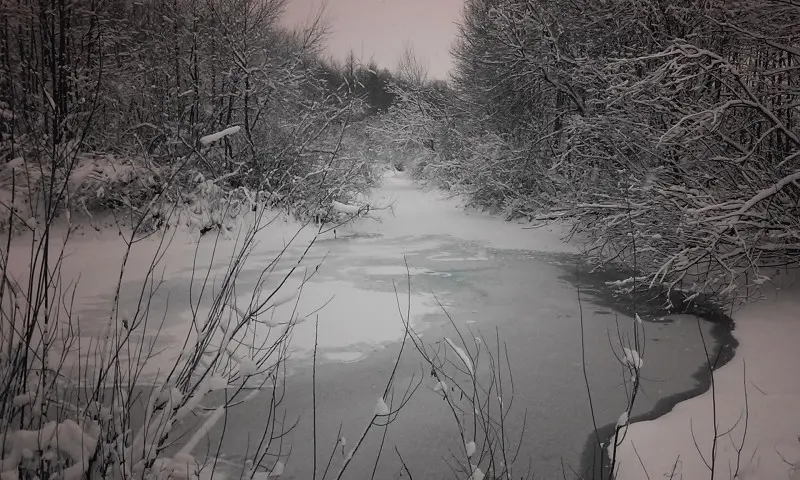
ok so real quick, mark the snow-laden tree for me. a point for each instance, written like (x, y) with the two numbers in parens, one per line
(670, 127)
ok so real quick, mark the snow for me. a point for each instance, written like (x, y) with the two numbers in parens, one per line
(67, 437)
(622, 420)
(282, 297)
(757, 405)
(462, 355)
(477, 474)
(470, 448)
(23, 399)
(381, 409)
(421, 213)
(277, 470)
(345, 208)
(632, 359)
(217, 382)
(441, 386)
(247, 367)
(214, 137)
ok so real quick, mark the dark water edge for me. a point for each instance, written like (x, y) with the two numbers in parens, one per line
(595, 463)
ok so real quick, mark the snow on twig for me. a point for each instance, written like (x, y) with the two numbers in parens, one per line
(462, 355)
(214, 137)
(345, 208)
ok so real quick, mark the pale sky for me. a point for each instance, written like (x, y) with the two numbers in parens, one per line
(380, 28)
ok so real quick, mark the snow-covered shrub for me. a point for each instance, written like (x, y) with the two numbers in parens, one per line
(85, 183)
(105, 181)
(209, 206)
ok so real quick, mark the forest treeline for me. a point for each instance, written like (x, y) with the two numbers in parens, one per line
(108, 99)
(664, 131)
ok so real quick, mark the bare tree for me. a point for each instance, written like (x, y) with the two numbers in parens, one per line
(411, 69)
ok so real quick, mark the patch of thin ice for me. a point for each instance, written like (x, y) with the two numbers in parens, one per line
(442, 257)
(386, 270)
(343, 357)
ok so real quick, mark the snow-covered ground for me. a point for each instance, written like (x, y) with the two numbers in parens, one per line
(755, 401)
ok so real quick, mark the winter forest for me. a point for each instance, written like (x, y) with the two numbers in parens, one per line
(228, 254)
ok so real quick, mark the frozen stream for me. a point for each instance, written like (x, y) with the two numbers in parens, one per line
(491, 276)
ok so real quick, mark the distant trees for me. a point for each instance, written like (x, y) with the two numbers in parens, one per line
(367, 82)
(677, 120)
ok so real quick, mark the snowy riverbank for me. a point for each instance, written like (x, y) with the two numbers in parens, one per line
(755, 400)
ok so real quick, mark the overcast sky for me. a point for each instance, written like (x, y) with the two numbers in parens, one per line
(380, 29)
